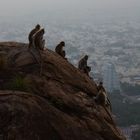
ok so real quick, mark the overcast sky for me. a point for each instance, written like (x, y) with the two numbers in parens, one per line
(67, 7)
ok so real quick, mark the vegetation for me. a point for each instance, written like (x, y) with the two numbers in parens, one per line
(57, 102)
(18, 83)
(130, 90)
(127, 112)
(3, 62)
(71, 108)
(136, 135)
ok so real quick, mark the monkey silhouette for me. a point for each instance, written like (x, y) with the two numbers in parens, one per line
(32, 32)
(82, 65)
(38, 40)
(101, 87)
(59, 49)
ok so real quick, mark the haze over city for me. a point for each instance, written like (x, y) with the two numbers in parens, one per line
(69, 9)
(108, 31)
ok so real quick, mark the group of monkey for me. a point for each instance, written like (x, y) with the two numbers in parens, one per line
(36, 41)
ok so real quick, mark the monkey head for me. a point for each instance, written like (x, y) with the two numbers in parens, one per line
(62, 43)
(86, 57)
(37, 26)
(42, 31)
(101, 83)
(88, 69)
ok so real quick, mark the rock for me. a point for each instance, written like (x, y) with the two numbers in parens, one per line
(54, 102)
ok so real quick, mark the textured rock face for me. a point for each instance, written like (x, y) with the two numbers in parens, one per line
(51, 100)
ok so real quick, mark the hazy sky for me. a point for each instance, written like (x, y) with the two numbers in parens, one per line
(67, 7)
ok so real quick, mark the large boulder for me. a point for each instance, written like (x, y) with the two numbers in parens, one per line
(44, 97)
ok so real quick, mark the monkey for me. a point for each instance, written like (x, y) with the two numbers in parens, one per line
(32, 32)
(101, 98)
(82, 65)
(87, 70)
(38, 40)
(101, 87)
(38, 44)
(83, 62)
(59, 49)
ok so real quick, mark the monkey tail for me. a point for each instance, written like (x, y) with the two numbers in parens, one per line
(109, 103)
(34, 56)
(111, 118)
(41, 65)
(109, 114)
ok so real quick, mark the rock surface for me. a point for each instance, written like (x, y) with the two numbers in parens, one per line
(44, 97)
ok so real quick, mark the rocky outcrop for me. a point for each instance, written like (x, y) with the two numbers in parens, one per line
(43, 96)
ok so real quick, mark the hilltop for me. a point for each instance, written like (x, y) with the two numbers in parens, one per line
(46, 97)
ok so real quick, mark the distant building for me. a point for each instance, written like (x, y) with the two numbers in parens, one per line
(110, 78)
(135, 79)
(127, 131)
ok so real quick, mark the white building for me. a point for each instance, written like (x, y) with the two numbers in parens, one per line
(110, 78)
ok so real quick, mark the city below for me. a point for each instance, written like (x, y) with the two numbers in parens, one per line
(113, 49)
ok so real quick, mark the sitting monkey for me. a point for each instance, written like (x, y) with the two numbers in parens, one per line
(100, 86)
(101, 98)
(59, 49)
(38, 40)
(82, 65)
(30, 37)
